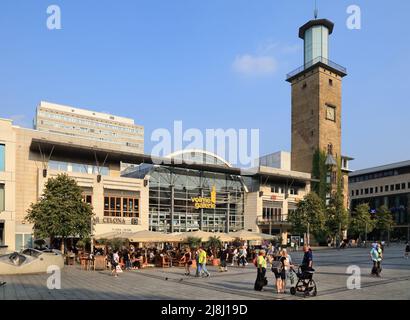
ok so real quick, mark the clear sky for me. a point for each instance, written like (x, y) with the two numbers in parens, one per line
(210, 63)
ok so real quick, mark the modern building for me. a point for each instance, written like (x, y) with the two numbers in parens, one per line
(121, 132)
(317, 104)
(201, 191)
(29, 157)
(279, 160)
(189, 190)
(387, 185)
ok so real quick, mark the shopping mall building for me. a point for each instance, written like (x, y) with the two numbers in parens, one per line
(131, 191)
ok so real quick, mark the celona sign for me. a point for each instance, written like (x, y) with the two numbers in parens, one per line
(205, 203)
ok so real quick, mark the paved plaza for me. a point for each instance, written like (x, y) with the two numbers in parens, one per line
(237, 284)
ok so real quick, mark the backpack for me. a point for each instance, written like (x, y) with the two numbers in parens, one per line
(277, 266)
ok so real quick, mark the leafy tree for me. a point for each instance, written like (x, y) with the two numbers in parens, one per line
(309, 210)
(384, 220)
(337, 217)
(361, 220)
(194, 242)
(61, 211)
(214, 243)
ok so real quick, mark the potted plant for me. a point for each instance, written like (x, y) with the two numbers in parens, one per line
(214, 243)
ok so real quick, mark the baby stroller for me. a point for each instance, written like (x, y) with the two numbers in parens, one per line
(305, 282)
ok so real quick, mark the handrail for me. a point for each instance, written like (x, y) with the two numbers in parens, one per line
(315, 61)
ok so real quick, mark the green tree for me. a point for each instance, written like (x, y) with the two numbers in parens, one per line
(194, 242)
(309, 211)
(361, 220)
(384, 220)
(61, 211)
(337, 217)
(214, 243)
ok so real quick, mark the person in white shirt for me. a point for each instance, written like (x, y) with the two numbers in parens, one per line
(114, 263)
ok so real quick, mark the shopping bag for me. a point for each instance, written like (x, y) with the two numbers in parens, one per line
(118, 269)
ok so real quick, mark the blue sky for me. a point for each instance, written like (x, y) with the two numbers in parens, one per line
(211, 64)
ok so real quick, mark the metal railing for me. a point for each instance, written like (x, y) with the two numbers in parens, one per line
(268, 220)
(315, 61)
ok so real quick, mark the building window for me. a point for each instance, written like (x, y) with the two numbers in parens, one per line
(121, 207)
(408, 185)
(330, 82)
(366, 191)
(2, 157)
(330, 149)
(371, 190)
(398, 186)
(392, 187)
(2, 198)
(361, 191)
(357, 192)
(276, 189)
(352, 193)
(87, 198)
(376, 189)
(403, 186)
(1, 233)
(386, 188)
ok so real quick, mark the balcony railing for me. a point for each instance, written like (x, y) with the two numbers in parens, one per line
(272, 220)
(315, 61)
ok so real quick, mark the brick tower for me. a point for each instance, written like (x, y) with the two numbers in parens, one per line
(316, 100)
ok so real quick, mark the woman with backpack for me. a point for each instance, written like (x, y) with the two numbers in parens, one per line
(279, 267)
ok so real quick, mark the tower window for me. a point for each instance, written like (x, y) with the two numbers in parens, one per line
(304, 85)
(330, 149)
(311, 133)
(330, 82)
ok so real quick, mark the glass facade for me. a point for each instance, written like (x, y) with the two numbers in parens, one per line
(172, 208)
(2, 157)
(183, 200)
(78, 167)
(399, 205)
(24, 241)
(316, 43)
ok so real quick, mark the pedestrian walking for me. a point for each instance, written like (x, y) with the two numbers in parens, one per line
(376, 255)
(187, 261)
(261, 280)
(115, 260)
(202, 263)
(242, 257)
(407, 250)
(235, 257)
(224, 258)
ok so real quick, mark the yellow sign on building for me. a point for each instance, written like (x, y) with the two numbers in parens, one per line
(205, 203)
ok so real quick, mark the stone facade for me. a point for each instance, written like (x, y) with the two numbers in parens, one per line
(312, 92)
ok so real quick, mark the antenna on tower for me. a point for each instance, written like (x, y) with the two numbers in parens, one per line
(316, 12)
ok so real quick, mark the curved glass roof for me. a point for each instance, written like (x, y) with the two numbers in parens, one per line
(197, 156)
